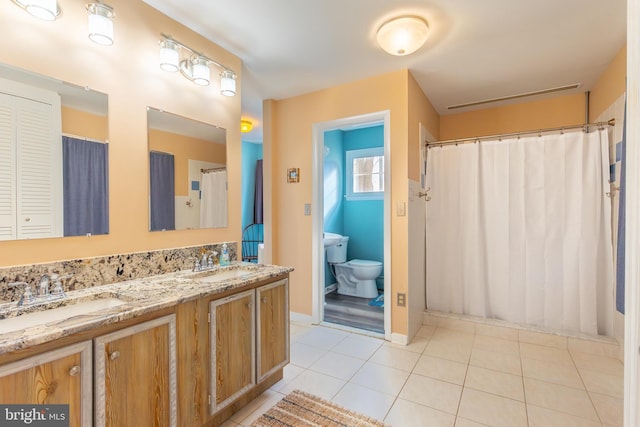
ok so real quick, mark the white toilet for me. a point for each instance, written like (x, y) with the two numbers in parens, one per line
(356, 277)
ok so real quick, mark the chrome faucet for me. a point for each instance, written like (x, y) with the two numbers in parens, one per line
(43, 285)
(27, 296)
(206, 256)
(206, 262)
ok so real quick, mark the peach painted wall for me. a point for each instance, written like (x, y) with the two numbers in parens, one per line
(81, 123)
(184, 148)
(610, 85)
(129, 74)
(545, 113)
(288, 143)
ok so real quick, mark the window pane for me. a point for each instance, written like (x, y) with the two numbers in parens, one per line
(368, 174)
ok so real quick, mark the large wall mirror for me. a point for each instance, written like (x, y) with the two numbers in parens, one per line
(53, 157)
(187, 173)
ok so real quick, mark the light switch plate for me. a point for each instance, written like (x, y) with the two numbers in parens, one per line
(401, 208)
(307, 209)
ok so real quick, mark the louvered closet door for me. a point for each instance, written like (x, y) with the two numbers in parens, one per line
(7, 167)
(39, 173)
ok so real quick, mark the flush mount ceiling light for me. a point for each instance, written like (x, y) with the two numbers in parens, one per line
(194, 65)
(403, 35)
(47, 10)
(101, 23)
(245, 126)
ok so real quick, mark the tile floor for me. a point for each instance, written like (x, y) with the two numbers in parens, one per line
(453, 376)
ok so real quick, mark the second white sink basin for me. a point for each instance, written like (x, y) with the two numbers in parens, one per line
(42, 317)
(219, 276)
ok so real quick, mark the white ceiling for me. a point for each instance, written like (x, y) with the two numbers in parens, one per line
(476, 50)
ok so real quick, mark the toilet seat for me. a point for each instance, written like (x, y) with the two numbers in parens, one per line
(364, 263)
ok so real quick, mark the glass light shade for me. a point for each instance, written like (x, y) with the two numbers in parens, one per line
(228, 83)
(200, 71)
(403, 36)
(100, 23)
(44, 9)
(245, 126)
(169, 55)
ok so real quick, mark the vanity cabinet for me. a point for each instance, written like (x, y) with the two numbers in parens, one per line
(232, 338)
(135, 375)
(272, 315)
(249, 339)
(61, 376)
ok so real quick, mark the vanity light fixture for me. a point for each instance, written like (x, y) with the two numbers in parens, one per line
(228, 83)
(101, 23)
(194, 65)
(245, 126)
(47, 10)
(403, 35)
(196, 69)
(169, 55)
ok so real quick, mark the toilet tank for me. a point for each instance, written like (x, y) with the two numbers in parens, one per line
(338, 253)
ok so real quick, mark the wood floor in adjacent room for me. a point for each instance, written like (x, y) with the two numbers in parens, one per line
(354, 312)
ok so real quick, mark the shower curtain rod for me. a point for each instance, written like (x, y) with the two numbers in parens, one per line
(213, 169)
(611, 122)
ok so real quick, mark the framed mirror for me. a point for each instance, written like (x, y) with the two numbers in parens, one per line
(53, 157)
(187, 173)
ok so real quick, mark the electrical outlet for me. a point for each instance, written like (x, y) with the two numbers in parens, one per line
(402, 300)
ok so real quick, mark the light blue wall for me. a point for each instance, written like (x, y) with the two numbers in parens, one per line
(361, 220)
(250, 153)
(333, 181)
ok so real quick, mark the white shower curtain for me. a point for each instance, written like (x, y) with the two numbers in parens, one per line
(213, 205)
(520, 230)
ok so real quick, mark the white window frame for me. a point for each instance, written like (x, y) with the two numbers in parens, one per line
(355, 154)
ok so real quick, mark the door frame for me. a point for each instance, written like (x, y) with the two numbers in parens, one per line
(317, 211)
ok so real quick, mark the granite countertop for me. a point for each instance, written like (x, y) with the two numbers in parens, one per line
(122, 301)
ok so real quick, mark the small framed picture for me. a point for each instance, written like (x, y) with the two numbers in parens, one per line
(293, 175)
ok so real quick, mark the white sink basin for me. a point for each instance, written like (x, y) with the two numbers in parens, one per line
(331, 239)
(220, 276)
(42, 317)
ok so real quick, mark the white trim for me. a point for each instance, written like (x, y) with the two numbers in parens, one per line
(399, 339)
(632, 226)
(301, 318)
(317, 210)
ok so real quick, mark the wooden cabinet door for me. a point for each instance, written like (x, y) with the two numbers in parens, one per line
(60, 376)
(232, 341)
(135, 381)
(273, 327)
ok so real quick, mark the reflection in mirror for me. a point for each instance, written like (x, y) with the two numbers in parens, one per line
(187, 173)
(53, 157)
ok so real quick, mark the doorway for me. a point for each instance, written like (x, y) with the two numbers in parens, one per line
(319, 265)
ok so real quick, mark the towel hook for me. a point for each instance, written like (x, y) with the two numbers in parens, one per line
(425, 194)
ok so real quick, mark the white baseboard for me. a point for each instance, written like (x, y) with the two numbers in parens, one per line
(300, 318)
(399, 339)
